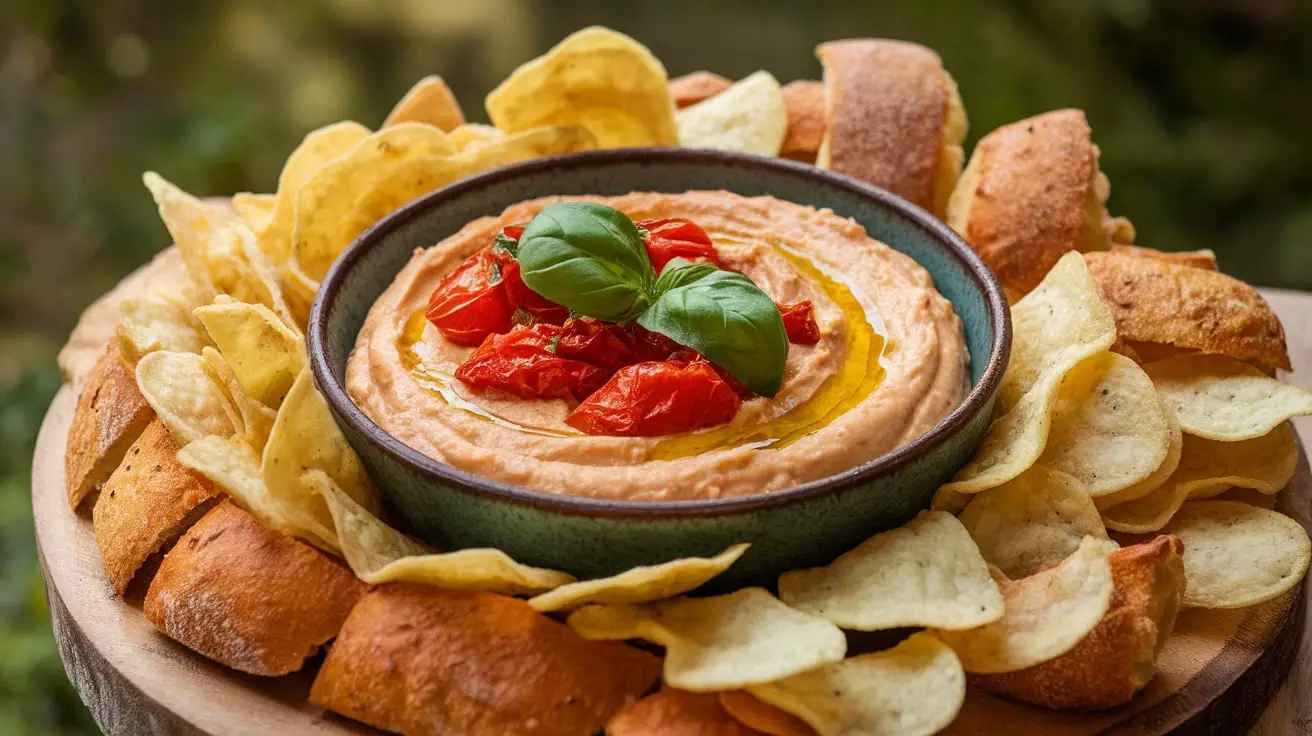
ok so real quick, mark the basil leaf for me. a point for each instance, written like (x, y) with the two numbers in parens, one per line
(725, 317)
(508, 244)
(587, 257)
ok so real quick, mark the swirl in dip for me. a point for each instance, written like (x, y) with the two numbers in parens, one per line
(890, 363)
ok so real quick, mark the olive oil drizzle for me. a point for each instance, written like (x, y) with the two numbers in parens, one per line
(859, 373)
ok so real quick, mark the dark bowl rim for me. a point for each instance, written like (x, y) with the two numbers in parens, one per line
(977, 399)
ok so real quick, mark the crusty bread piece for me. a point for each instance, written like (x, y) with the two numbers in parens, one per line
(892, 118)
(805, 102)
(1204, 258)
(148, 502)
(673, 712)
(111, 413)
(694, 87)
(760, 715)
(1117, 658)
(1032, 193)
(422, 660)
(249, 597)
(1157, 301)
(430, 102)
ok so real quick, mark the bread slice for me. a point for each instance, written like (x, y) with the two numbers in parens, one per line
(249, 597)
(1204, 258)
(148, 502)
(1118, 658)
(430, 102)
(672, 712)
(692, 88)
(111, 414)
(805, 102)
(1157, 301)
(893, 118)
(1031, 194)
(422, 660)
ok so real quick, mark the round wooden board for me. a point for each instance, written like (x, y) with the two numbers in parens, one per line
(1215, 676)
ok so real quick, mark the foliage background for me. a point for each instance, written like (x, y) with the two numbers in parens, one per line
(1200, 106)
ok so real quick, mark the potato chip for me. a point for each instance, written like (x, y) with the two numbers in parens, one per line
(300, 291)
(235, 467)
(1047, 614)
(316, 150)
(153, 323)
(1148, 513)
(353, 193)
(749, 117)
(597, 78)
(1154, 481)
(1237, 555)
(253, 420)
(1109, 429)
(380, 554)
(914, 689)
(256, 210)
(1224, 399)
(265, 354)
(721, 643)
(189, 402)
(192, 224)
(641, 584)
(470, 135)
(430, 102)
(759, 715)
(696, 86)
(1034, 521)
(926, 573)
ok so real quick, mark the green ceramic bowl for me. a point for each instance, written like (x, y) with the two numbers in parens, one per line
(796, 527)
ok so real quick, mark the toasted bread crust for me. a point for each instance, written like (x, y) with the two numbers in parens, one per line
(1204, 258)
(673, 712)
(694, 87)
(231, 589)
(431, 102)
(1026, 197)
(1157, 301)
(805, 101)
(147, 503)
(1117, 658)
(885, 110)
(111, 414)
(422, 660)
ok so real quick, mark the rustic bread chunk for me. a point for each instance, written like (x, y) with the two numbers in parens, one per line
(422, 660)
(249, 597)
(1032, 193)
(111, 413)
(805, 102)
(147, 504)
(893, 118)
(1117, 658)
(1204, 258)
(692, 88)
(672, 712)
(1156, 301)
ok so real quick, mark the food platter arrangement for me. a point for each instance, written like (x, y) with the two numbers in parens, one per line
(688, 347)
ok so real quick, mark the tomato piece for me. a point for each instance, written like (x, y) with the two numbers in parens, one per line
(512, 231)
(519, 295)
(526, 362)
(799, 322)
(677, 238)
(470, 303)
(657, 398)
(644, 344)
(594, 342)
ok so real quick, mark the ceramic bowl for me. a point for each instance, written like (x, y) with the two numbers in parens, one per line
(796, 527)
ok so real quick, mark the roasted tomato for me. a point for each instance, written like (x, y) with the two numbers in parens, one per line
(799, 323)
(469, 303)
(677, 238)
(657, 398)
(518, 293)
(596, 343)
(527, 363)
(644, 344)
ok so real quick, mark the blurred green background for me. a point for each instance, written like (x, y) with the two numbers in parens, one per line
(1201, 108)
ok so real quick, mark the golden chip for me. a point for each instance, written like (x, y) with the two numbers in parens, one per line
(188, 401)
(300, 291)
(192, 224)
(152, 323)
(264, 352)
(1149, 513)
(1158, 478)
(317, 149)
(380, 554)
(641, 584)
(722, 643)
(1224, 399)
(256, 210)
(597, 78)
(914, 689)
(749, 117)
(926, 573)
(430, 102)
(471, 135)
(696, 86)
(1236, 555)
(1047, 614)
(1109, 429)
(253, 421)
(1034, 521)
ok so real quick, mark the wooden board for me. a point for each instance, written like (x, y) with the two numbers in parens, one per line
(1216, 674)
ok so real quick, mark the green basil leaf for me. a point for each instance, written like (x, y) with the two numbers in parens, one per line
(725, 317)
(587, 257)
(508, 244)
